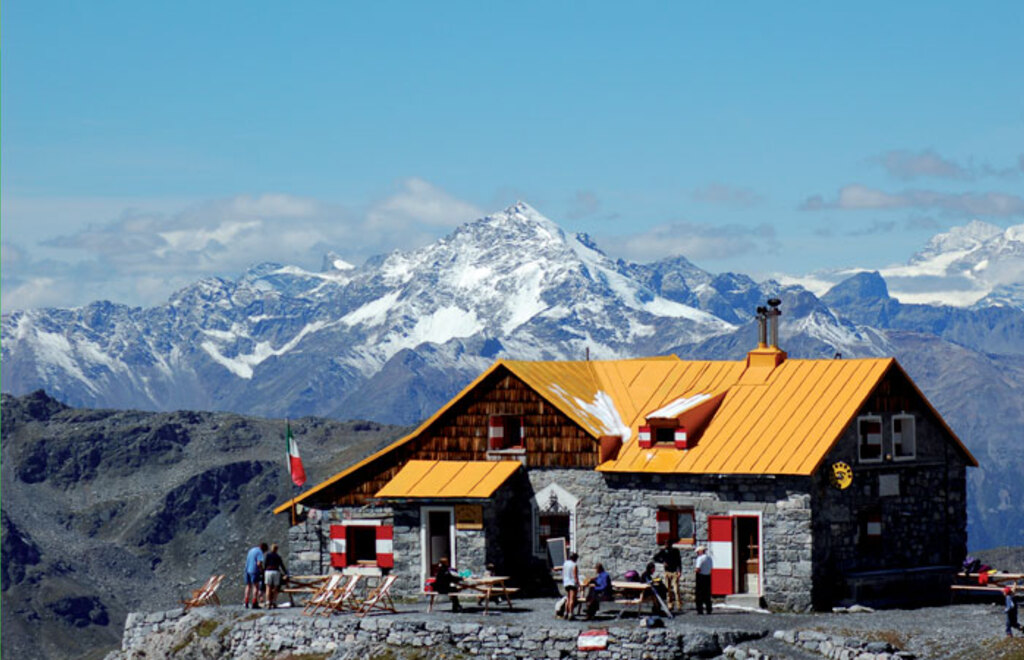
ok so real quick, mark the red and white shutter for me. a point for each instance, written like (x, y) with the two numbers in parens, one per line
(663, 517)
(680, 438)
(720, 549)
(495, 432)
(339, 557)
(644, 437)
(873, 526)
(385, 547)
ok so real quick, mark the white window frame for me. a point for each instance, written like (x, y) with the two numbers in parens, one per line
(760, 550)
(540, 503)
(425, 542)
(904, 417)
(881, 452)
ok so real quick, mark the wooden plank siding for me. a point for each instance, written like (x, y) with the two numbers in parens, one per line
(551, 439)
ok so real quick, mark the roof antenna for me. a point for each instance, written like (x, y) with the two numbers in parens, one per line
(837, 356)
(588, 354)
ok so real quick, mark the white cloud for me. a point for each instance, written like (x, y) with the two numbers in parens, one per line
(418, 203)
(695, 242)
(857, 197)
(140, 257)
(724, 194)
(907, 165)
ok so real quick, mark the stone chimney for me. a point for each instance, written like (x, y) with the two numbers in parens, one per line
(762, 360)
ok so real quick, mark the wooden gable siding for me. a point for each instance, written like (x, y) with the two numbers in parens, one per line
(894, 394)
(460, 434)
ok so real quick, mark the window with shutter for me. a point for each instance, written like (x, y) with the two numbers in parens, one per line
(869, 439)
(676, 525)
(505, 432)
(904, 445)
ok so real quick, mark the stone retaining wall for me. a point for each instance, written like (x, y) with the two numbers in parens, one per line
(216, 633)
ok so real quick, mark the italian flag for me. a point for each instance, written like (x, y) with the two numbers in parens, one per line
(295, 468)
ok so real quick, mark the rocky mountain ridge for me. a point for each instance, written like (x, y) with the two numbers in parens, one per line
(105, 511)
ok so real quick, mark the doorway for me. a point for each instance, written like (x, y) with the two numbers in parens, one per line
(747, 549)
(437, 538)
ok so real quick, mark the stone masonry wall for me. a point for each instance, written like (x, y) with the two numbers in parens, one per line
(203, 633)
(615, 525)
(920, 502)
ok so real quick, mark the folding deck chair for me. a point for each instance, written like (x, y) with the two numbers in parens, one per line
(321, 597)
(379, 598)
(344, 597)
(206, 594)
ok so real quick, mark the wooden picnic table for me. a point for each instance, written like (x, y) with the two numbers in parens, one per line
(487, 586)
(636, 593)
(302, 584)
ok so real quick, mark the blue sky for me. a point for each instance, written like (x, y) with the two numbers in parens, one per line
(146, 145)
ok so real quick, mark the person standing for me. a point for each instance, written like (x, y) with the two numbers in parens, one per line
(274, 571)
(1011, 611)
(254, 574)
(702, 567)
(571, 583)
(445, 582)
(672, 567)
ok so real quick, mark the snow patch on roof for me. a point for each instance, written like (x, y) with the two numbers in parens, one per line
(602, 410)
(679, 406)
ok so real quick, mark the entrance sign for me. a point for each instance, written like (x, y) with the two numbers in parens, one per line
(469, 516)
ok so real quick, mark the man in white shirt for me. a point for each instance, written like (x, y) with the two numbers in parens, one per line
(702, 566)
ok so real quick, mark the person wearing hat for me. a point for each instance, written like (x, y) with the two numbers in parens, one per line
(1011, 611)
(702, 567)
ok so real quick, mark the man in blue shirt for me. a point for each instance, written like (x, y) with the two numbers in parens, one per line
(600, 589)
(254, 574)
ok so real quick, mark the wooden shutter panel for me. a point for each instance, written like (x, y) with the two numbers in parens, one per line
(680, 438)
(720, 549)
(644, 437)
(385, 546)
(664, 518)
(339, 556)
(495, 432)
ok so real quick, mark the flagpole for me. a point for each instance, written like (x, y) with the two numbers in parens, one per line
(286, 427)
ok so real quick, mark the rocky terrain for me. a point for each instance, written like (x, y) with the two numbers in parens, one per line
(105, 512)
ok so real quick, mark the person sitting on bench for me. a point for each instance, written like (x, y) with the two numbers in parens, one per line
(600, 589)
(445, 583)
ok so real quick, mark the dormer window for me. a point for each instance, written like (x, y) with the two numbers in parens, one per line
(904, 444)
(663, 434)
(505, 432)
(869, 439)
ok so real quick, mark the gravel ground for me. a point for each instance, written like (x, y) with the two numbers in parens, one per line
(952, 632)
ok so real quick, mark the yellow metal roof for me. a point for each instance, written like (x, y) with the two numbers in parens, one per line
(448, 479)
(766, 419)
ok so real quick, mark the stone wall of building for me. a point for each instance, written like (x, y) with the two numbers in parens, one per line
(921, 506)
(616, 522)
(615, 525)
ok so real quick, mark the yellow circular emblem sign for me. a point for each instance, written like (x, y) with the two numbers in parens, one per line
(841, 475)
